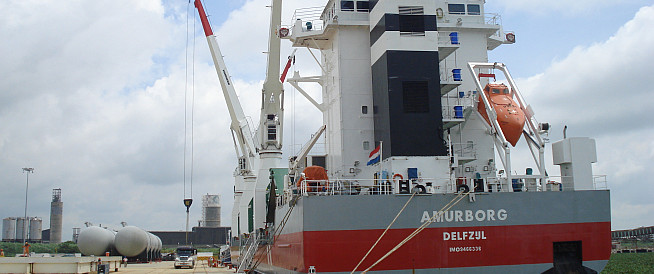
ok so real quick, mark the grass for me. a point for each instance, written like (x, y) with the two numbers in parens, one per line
(630, 263)
(11, 249)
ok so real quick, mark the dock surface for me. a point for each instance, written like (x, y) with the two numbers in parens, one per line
(167, 267)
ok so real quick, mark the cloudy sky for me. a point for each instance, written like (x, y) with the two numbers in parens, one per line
(97, 97)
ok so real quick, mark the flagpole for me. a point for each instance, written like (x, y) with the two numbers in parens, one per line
(381, 159)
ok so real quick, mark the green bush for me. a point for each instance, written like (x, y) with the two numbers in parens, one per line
(630, 263)
(11, 249)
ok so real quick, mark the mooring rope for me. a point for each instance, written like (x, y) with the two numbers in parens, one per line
(448, 206)
(384, 233)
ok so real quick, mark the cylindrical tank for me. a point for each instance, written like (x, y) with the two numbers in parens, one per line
(21, 228)
(9, 229)
(95, 241)
(131, 241)
(211, 210)
(35, 229)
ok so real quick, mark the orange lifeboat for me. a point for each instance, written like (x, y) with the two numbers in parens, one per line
(315, 173)
(509, 114)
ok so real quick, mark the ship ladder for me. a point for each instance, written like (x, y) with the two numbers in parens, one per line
(280, 227)
(446, 207)
(251, 248)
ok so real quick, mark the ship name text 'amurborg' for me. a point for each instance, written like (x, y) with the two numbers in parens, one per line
(465, 215)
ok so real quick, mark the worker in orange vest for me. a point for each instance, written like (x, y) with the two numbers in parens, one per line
(2, 252)
(26, 250)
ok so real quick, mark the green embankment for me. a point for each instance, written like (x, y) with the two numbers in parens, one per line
(630, 263)
(11, 249)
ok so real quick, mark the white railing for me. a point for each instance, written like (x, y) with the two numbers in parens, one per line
(309, 17)
(248, 251)
(446, 74)
(341, 187)
(493, 19)
(448, 104)
(465, 149)
(600, 182)
(346, 187)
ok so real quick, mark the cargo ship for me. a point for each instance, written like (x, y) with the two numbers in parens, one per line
(414, 118)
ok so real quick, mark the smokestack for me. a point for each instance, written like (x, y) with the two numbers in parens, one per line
(56, 216)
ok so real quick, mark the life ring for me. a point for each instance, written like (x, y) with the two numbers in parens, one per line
(283, 32)
(398, 175)
(510, 37)
(439, 13)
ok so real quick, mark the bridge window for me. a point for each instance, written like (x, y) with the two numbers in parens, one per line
(456, 8)
(347, 5)
(474, 9)
(363, 6)
(412, 23)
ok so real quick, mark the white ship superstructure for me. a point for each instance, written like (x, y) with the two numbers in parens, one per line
(357, 38)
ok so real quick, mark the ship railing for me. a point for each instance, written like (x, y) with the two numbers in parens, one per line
(346, 187)
(310, 18)
(493, 18)
(248, 251)
(447, 75)
(600, 182)
(466, 150)
(459, 98)
(555, 183)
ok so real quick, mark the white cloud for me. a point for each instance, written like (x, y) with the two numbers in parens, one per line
(92, 97)
(603, 91)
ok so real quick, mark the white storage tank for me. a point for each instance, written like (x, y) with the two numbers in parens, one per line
(21, 226)
(131, 241)
(35, 229)
(95, 241)
(9, 229)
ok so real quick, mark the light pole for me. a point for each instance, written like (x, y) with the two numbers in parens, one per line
(28, 170)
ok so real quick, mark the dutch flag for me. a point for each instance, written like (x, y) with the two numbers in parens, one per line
(374, 157)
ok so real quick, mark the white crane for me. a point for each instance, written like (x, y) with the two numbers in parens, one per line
(266, 151)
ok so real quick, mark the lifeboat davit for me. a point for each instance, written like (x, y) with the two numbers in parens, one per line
(509, 114)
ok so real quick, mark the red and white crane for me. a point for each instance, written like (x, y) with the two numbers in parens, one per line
(259, 152)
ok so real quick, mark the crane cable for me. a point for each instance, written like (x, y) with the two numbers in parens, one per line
(447, 207)
(188, 201)
(384, 233)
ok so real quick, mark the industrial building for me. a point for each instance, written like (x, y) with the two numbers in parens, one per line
(17, 229)
(210, 211)
(636, 233)
(198, 237)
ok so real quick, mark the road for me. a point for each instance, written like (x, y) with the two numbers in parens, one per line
(167, 267)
